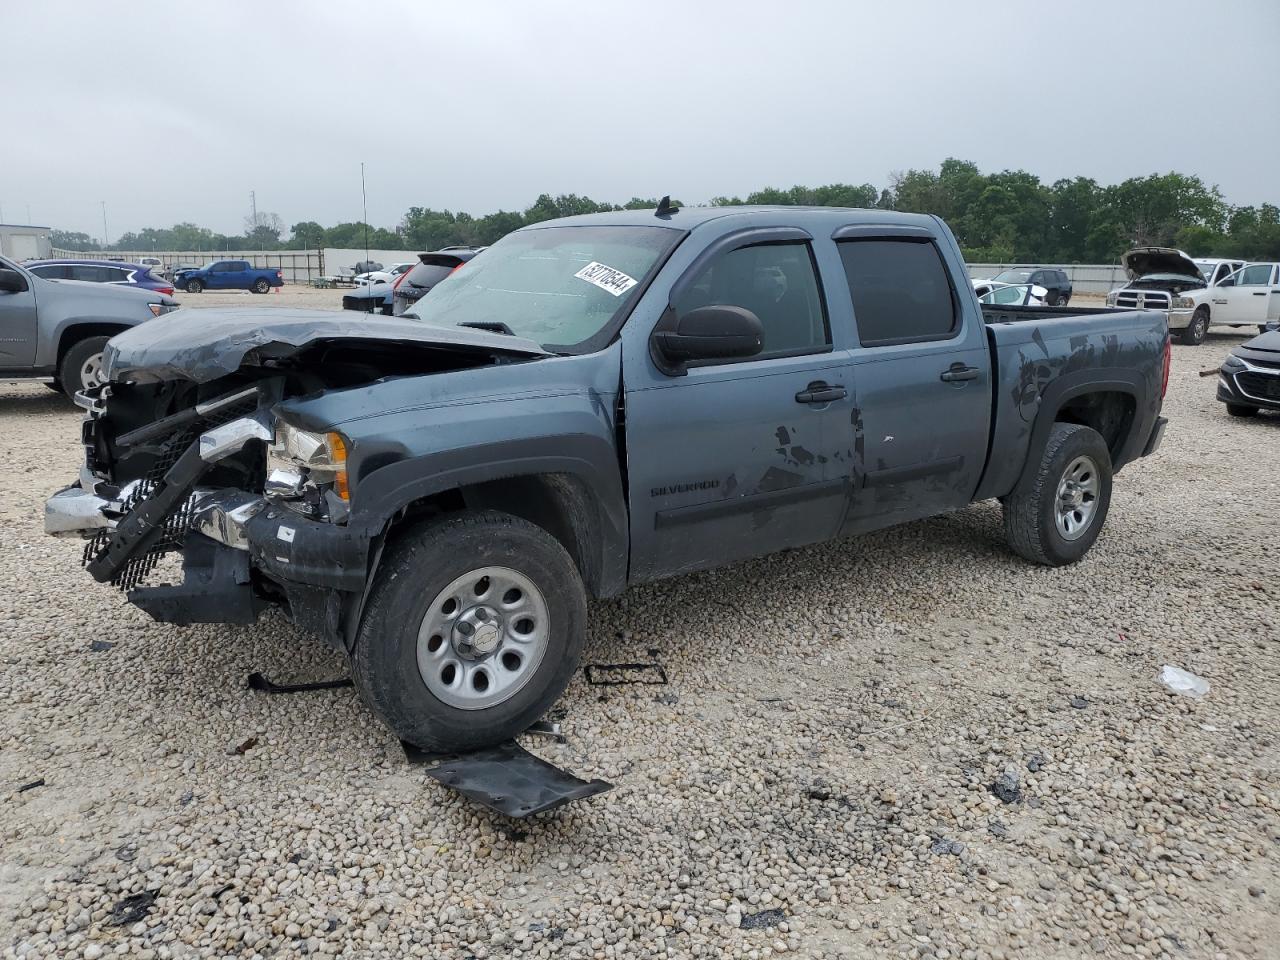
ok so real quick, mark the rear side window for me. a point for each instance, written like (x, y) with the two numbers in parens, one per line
(98, 274)
(52, 271)
(429, 274)
(900, 289)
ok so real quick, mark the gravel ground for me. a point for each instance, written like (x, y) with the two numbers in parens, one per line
(911, 744)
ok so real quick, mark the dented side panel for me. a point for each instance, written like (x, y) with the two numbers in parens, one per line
(1045, 363)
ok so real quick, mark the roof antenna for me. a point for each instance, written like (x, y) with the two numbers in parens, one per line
(665, 209)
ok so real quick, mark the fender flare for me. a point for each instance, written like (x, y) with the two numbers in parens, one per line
(1081, 383)
(591, 460)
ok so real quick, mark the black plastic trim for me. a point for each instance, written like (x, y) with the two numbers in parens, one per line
(699, 512)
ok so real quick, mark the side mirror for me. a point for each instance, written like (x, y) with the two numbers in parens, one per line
(715, 332)
(11, 281)
(1227, 282)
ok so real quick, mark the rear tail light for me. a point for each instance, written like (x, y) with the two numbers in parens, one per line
(279, 275)
(167, 291)
(1168, 361)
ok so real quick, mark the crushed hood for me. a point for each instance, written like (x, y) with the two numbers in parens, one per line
(1143, 261)
(205, 344)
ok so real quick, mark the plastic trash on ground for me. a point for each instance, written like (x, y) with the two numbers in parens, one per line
(1180, 681)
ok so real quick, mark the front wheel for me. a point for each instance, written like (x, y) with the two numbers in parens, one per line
(81, 367)
(1058, 516)
(261, 285)
(1195, 331)
(194, 286)
(1241, 410)
(475, 626)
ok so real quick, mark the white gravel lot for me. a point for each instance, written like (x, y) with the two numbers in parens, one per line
(827, 748)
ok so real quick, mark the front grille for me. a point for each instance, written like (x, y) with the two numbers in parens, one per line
(1259, 385)
(177, 523)
(1142, 300)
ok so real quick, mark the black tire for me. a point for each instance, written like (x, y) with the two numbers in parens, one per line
(1196, 330)
(420, 564)
(74, 362)
(1031, 516)
(1240, 410)
(261, 285)
(195, 286)
(55, 386)
(1060, 299)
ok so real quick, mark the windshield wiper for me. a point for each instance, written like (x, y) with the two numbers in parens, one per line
(493, 326)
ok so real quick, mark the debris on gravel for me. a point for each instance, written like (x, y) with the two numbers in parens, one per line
(835, 715)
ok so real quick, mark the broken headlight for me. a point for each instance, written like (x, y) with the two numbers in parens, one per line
(308, 471)
(1183, 303)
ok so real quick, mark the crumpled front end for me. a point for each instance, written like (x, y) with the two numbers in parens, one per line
(193, 454)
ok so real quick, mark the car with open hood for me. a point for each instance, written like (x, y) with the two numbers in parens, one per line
(1249, 379)
(1195, 294)
(590, 403)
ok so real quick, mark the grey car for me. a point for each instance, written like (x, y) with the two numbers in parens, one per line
(55, 330)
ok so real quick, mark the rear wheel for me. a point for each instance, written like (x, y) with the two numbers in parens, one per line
(475, 626)
(1057, 518)
(261, 285)
(195, 286)
(1195, 331)
(81, 366)
(1241, 410)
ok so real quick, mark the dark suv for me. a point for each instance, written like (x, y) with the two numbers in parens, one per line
(434, 267)
(1055, 281)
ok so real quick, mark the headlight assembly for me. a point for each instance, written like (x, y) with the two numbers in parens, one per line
(1233, 364)
(308, 471)
(1183, 303)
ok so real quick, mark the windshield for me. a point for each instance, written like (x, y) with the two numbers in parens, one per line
(1206, 268)
(1013, 276)
(557, 286)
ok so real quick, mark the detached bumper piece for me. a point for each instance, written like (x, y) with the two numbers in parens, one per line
(215, 588)
(507, 779)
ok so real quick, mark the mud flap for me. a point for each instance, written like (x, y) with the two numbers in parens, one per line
(507, 779)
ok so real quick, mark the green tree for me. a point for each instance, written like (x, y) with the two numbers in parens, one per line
(78, 242)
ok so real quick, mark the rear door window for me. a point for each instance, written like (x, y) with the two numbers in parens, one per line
(901, 291)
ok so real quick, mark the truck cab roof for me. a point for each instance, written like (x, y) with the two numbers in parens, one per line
(690, 218)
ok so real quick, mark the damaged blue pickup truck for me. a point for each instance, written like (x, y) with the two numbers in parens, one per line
(590, 403)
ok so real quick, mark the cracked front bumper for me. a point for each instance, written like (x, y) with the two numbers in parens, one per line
(220, 515)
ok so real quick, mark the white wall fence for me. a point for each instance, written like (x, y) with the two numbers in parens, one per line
(297, 266)
(300, 266)
(1092, 278)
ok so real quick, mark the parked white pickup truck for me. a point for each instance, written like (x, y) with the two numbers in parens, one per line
(1196, 293)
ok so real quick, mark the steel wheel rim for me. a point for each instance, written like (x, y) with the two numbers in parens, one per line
(1077, 500)
(483, 638)
(91, 372)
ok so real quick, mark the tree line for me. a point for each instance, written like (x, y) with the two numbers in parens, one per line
(1005, 217)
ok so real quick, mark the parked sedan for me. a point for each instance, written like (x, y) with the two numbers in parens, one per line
(1056, 282)
(1010, 294)
(100, 271)
(1249, 379)
(378, 277)
(430, 270)
(370, 298)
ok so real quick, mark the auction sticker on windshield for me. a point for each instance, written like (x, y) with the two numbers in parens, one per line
(606, 278)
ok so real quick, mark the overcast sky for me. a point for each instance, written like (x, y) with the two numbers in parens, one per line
(171, 114)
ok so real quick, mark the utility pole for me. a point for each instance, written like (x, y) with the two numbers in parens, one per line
(104, 224)
(253, 205)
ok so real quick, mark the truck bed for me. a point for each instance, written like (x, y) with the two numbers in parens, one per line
(1040, 355)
